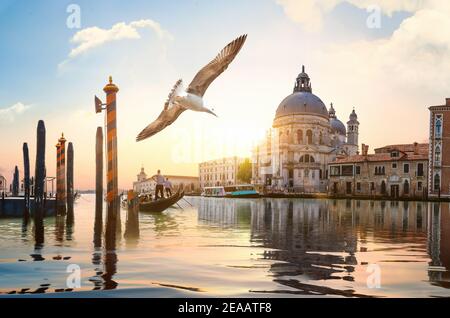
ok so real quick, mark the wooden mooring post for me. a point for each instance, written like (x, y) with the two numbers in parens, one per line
(61, 176)
(26, 180)
(15, 185)
(98, 226)
(39, 183)
(70, 191)
(112, 192)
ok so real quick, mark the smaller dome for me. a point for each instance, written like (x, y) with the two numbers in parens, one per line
(337, 126)
(353, 118)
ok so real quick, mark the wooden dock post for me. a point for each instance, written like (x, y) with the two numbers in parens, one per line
(132, 223)
(112, 196)
(70, 192)
(39, 183)
(61, 176)
(15, 185)
(26, 180)
(98, 226)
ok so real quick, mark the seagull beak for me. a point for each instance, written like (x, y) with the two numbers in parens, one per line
(210, 112)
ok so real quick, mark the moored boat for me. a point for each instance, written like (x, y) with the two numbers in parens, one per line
(232, 191)
(161, 204)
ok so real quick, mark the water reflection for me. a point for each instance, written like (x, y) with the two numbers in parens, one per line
(224, 212)
(331, 240)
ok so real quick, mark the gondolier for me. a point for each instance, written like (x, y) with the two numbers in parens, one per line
(168, 187)
(160, 180)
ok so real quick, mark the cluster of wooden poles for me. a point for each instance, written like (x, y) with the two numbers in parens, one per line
(39, 181)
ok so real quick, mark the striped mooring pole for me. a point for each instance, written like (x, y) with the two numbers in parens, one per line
(112, 192)
(61, 176)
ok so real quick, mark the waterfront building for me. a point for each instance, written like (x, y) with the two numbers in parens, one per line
(3, 185)
(394, 170)
(219, 172)
(439, 151)
(304, 138)
(145, 184)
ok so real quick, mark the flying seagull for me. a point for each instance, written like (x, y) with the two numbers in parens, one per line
(180, 100)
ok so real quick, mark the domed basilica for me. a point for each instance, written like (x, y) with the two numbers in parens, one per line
(304, 138)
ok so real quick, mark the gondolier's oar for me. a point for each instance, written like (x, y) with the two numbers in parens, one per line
(187, 201)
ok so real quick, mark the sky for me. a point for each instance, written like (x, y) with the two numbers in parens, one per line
(387, 59)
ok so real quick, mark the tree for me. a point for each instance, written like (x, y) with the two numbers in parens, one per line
(245, 171)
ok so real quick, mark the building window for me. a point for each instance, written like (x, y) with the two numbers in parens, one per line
(419, 186)
(307, 159)
(372, 186)
(320, 139)
(348, 186)
(347, 170)
(437, 182)
(309, 135)
(394, 165)
(438, 127)
(335, 171)
(357, 169)
(379, 170)
(299, 136)
(394, 154)
(406, 168)
(320, 174)
(406, 187)
(437, 155)
(420, 169)
(313, 174)
(358, 186)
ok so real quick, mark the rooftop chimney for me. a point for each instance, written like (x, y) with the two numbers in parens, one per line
(416, 148)
(365, 149)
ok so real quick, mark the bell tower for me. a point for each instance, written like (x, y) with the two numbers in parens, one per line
(352, 129)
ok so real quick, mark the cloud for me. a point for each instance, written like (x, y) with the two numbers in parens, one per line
(10, 113)
(310, 13)
(94, 37)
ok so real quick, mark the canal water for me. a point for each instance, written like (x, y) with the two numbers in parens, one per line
(241, 247)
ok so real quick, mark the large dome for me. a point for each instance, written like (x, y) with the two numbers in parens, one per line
(337, 126)
(300, 103)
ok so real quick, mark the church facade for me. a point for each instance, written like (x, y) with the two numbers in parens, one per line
(305, 137)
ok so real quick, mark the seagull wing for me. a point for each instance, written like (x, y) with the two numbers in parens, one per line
(166, 118)
(173, 93)
(213, 69)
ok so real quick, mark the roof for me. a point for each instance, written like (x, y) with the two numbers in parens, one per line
(407, 152)
(421, 148)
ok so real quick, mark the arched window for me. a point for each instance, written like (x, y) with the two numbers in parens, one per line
(437, 154)
(437, 182)
(309, 137)
(299, 136)
(383, 187)
(438, 127)
(406, 187)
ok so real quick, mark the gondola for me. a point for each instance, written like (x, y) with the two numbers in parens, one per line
(161, 204)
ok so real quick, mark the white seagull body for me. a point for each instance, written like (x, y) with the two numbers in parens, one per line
(192, 98)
